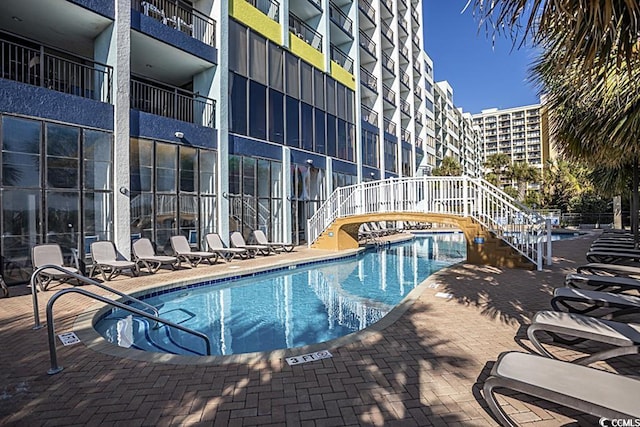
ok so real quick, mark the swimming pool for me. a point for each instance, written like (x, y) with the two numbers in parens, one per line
(286, 309)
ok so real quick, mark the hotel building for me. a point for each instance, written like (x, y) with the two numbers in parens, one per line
(519, 132)
(129, 118)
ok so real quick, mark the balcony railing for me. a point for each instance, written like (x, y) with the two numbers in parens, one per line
(368, 79)
(367, 9)
(405, 107)
(367, 44)
(415, 15)
(403, 3)
(369, 116)
(172, 102)
(271, 8)
(387, 31)
(419, 118)
(419, 142)
(404, 51)
(341, 58)
(403, 25)
(317, 3)
(388, 63)
(388, 4)
(298, 27)
(340, 18)
(417, 92)
(388, 94)
(180, 16)
(406, 136)
(78, 76)
(389, 126)
(404, 78)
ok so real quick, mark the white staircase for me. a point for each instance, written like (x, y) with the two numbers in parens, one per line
(506, 218)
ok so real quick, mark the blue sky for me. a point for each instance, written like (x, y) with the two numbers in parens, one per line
(482, 75)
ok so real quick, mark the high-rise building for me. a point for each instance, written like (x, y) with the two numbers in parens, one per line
(519, 132)
(129, 118)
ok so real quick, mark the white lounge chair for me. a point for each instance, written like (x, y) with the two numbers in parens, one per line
(260, 238)
(50, 254)
(143, 253)
(588, 390)
(217, 246)
(605, 305)
(183, 251)
(237, 241)
(571, 328)
(106, 261)
(596, 282)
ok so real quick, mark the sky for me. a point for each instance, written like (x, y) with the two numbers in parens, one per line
(482, 74)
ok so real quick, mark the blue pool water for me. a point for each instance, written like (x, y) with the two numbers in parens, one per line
(288, 308)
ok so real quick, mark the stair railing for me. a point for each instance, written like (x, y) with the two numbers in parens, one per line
(509, 220)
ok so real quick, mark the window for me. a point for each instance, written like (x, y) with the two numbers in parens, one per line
(306, 82)
(275, 67)
(238, 98)
(292, 77)
(331, 135)
(257, 57)
(257, 110)
(276, 116)
(318, 84)
(306, 122)
(370, 148)
(293, 122)
(21, 152)
(331, 95)
(390, 155)
(319, 131)
(238, 55)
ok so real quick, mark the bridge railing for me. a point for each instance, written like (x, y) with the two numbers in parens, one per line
(508, 219)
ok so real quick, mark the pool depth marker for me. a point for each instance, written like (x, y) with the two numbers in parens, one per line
(310, 357)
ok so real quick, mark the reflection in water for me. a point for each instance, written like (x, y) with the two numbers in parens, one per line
(288, 309)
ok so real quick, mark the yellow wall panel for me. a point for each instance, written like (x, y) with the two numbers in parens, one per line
(343, 76)
(256, 20)
(304, 50)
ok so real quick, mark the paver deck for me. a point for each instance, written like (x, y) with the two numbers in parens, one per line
(425, 368)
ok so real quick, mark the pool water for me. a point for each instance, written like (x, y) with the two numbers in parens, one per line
(288, 308)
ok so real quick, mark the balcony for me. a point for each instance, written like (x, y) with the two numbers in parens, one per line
(388, 94)
(419, 142)
(366, 8)
(405, 79)
(368, 80)
(55, 70)
(403, 25)
(367, 44)
(406, 136)
(405, 107)
(388, 4)
(389, 126)
(387, 31)
(417, 92)
(172, 102)
(341, 58)
(388, 63)
(369, 116)
(404, 52)
(419, 118)
(340, 18)
(298, 27)
(271, 8)
(415, 15)
(181, 16)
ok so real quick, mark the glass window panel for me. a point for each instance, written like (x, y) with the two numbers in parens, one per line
(20, 232)
(292, 78)
(351, 116)
(20, 152)
(306, 82)
(293, 122)
(238, 98)
(249, 176)
(207, 172)
(263, 221)
(141, 165)
(63, 217)
(275, 67)
(235, 163)
(306, 120)
(257, 110)
(62, 156)
(276, 116)
(331, 95)
(331, 135)
(141, 206)
(318, 83)
(264, 178)
(97, 150)
(98, 215)
(342, 139)
(276, 179)
(165, 221)
(188, 218)
(207, 215)
(258, 57)
(341, 101)
(188, 168)
(277, 214)
(319, 131)
(238, 55)
(351, 141)
(166, 165)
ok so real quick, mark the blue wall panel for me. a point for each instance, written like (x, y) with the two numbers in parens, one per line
(104, 8)
(35, 101)
(252, 147)
(150, 126)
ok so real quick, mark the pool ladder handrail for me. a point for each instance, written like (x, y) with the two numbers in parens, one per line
(50, 323)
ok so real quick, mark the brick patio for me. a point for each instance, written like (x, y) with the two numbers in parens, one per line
(425, 368)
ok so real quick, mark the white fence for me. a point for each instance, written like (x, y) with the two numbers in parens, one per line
(508, 219)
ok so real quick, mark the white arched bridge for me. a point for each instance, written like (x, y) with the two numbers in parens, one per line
(499, 230)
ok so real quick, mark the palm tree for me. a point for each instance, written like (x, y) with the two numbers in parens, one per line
(523, 173)
(498, 163)
(449, 167)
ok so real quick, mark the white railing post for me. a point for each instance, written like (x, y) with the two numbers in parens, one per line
(549, 245)
(465, 196)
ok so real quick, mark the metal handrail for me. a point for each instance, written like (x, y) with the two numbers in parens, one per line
(51, 332)
(81, 278)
